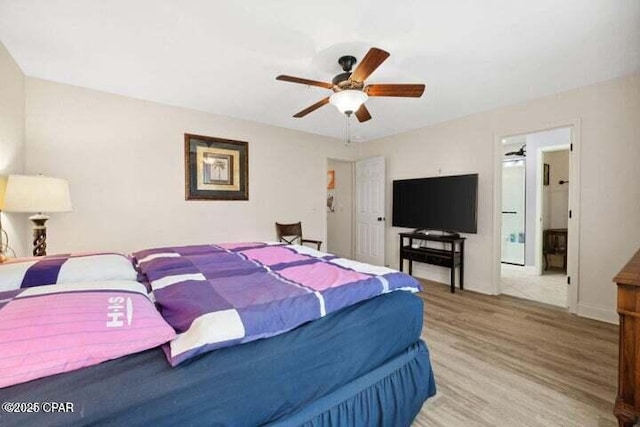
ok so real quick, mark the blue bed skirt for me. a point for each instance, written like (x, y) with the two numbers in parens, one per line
(390, 395)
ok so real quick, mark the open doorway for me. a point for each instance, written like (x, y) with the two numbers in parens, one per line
(340, 197)
(514, 184)
(535, 190)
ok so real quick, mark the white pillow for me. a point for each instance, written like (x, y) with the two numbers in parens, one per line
(67, 268)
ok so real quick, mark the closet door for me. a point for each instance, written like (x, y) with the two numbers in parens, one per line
(370, 205)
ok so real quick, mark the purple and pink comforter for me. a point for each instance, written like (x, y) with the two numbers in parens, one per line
(220, 295)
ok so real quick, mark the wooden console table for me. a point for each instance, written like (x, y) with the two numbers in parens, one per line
(627, 407)
(554, 242)
(450, 258)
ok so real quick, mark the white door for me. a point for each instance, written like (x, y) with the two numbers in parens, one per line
(370, 204)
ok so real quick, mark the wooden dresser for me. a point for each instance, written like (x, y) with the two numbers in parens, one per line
(627, 408)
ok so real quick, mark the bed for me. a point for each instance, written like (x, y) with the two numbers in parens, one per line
(358, 364)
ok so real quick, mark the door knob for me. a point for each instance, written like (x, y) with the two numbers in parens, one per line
(380, 218)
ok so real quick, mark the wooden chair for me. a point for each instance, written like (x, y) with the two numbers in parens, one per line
(292, 234)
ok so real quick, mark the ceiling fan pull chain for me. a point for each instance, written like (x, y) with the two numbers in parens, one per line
(346, 137)
(347, 130)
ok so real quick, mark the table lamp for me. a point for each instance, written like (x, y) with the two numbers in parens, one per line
(37, 194)
(4, 241)
(3, 186)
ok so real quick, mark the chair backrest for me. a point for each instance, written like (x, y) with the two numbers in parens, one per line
(289, 233)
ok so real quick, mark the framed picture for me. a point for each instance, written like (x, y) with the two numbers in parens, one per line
(331, 180)
(215, 168)
(545, 177)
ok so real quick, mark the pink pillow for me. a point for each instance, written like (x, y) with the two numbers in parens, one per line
(50, 329)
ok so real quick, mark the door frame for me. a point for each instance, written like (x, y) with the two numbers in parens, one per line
(573, 250)
(540, 200)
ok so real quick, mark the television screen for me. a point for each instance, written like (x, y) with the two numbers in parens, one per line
(441, 203)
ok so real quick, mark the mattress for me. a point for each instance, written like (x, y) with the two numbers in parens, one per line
(264, 381)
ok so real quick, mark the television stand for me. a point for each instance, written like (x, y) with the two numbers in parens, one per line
(430, 232)
(451, 258)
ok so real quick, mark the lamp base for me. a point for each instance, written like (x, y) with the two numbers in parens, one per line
(39, 234)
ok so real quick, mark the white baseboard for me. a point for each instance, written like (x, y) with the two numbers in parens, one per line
(486, 290)
(467, 286)
(598, 313)
(528, 269)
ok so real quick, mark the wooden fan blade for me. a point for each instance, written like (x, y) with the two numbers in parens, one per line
(369, 63)
(323, 101)
(363, 114)
(404, 90)
(292, 79)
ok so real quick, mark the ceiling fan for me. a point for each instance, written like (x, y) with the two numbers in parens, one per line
(521, 152)
(349, 89)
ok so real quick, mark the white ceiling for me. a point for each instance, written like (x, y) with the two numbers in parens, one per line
(223, 56)
(518, 140)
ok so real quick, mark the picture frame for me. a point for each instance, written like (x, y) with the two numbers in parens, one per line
(331, 180)
(215, 168)
(545, 175)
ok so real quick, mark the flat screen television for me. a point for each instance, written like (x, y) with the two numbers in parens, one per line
(447, 203)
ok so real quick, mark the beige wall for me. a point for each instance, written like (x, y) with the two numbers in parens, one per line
(125, 164)
(12, 122)
(340, 221)
(609, 116)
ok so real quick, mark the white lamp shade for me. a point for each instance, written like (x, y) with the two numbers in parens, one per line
(3, 186)
(36, 193)
(348, 101)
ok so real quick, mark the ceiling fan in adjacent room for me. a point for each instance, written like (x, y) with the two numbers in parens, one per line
(350, 92)
(522, 152)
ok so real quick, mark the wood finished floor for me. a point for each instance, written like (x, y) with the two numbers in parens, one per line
(503, 361)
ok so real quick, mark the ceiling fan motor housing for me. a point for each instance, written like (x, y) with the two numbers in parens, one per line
(342, 80)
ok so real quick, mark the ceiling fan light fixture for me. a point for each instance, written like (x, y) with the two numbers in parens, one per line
(349, 100)
(350, 90)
